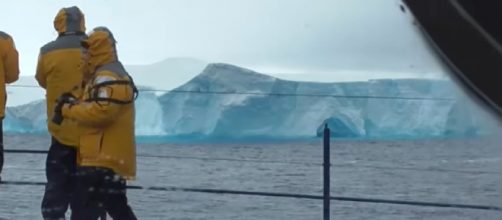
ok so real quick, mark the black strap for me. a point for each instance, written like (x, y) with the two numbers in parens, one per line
(135, 91)
(97, 87)
(112, 82)
(110, 100)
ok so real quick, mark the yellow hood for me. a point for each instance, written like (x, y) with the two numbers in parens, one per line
(69, 20)
(100, 47)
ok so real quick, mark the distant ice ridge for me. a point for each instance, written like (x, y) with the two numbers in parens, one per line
(230, 102)
(164, 75)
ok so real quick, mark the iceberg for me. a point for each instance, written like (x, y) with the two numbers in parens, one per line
(269, 107)
(230, 102)
(31, 118)
(27, 118)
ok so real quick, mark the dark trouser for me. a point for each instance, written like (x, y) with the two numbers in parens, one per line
(60, 171)
(100, 187)
(1, 147)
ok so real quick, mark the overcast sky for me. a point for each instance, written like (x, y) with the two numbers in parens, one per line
(290, 36)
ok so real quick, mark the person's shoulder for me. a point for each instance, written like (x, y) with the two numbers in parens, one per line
(6, 41)
(48, 47)
(4, 35)
(115, 68)
(66, 42)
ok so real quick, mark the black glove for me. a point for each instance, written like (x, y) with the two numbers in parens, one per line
(58, 113)
(65, 98)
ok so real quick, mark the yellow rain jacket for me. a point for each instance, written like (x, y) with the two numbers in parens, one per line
(59, 69)
(105, 114)
(9, 67)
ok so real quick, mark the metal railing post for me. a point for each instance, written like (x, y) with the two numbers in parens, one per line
(326, 165)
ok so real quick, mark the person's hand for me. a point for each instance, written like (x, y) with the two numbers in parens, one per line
(58, 113)
(65, 98)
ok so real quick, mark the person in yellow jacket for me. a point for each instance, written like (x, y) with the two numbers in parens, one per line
(58, 71)
(105, 116)
(9, 73)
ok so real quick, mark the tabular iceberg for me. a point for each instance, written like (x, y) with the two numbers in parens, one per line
(230, 102)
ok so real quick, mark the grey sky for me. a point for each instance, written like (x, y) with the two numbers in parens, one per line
(291, 36)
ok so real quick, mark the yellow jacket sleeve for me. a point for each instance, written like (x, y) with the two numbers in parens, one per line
(99, 113)
(41, 75)
(11, 62)
(91, 113)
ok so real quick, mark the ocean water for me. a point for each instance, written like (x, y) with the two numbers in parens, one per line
(464, 171)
